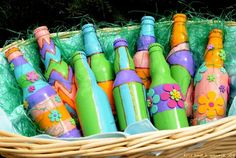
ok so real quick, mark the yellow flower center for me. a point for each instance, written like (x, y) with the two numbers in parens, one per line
(175, 95)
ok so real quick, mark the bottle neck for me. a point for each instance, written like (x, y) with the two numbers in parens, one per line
(214, 54)
(147, 34)
(159, 69)
(49, 52)
(123, 60)
(83, 73)
(91, 43)
(179, 34)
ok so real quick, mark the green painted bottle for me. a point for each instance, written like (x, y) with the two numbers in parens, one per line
(129, 91)
(100, 66)
(165, 98)
(92, 104)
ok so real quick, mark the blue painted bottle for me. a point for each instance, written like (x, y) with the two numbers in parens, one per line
(92, 104)
(129, 92)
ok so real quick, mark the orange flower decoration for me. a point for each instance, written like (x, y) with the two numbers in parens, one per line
(211, 105)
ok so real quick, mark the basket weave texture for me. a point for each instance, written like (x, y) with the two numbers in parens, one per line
(216, 138)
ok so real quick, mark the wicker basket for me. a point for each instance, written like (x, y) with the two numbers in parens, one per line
(210, 140)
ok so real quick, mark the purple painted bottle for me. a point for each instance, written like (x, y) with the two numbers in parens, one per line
(45, 106)
(129, 92)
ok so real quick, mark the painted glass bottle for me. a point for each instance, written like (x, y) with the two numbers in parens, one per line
(211, 82)
(93, 107)
(181, 60)
(129, 91)
(58, 73)
(164, 96)
(141, 58)
(45, 106)
(100, 66)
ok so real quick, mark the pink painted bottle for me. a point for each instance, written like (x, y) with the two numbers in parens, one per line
(211, 82)
(141, 58)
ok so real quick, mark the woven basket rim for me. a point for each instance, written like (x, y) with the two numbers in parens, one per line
(134, 144)
(68, 34)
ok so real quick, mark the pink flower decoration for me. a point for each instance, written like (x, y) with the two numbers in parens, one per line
(210, 47)
(173, 95)
(31, 89)
(32, 76)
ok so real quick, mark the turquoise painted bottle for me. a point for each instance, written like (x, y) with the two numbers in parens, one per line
(92, 104)
(129, 91)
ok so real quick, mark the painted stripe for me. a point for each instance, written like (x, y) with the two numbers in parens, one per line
(45, 122)
(40, 108)
(103, 107)
(38, 85)
(124, 59)
(41, 95)
(49, 56)
(133, 87)
(23, 69)
(19, 61)
(62, 128)
(127, 103)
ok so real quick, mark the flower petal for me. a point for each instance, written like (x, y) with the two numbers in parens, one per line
(181, 103)
(202, 68)
(219, 101)
(168, 87)
(202, 100)
(175, 86)
(150, 92)
(211, 96)
(202, 109)
(165, 96)
(172, 104)
(156, 99)
(220, 111)
(211, 113)
(154, 109)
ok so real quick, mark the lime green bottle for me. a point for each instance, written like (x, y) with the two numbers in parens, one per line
(164, 96)
(92, 104)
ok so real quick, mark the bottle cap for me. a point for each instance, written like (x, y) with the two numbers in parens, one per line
(216, 33)
(41, 31)
(120, 42)
(12, 53)
(148, 20)
(180, 17)
(88, 28)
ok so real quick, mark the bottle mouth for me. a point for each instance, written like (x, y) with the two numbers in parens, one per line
(12, 53)
(120, 42)
(88, 28)
(179, 17)
(41, 31)
(216, 33)
(148, 20)
(155, 47)
(78, 55)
